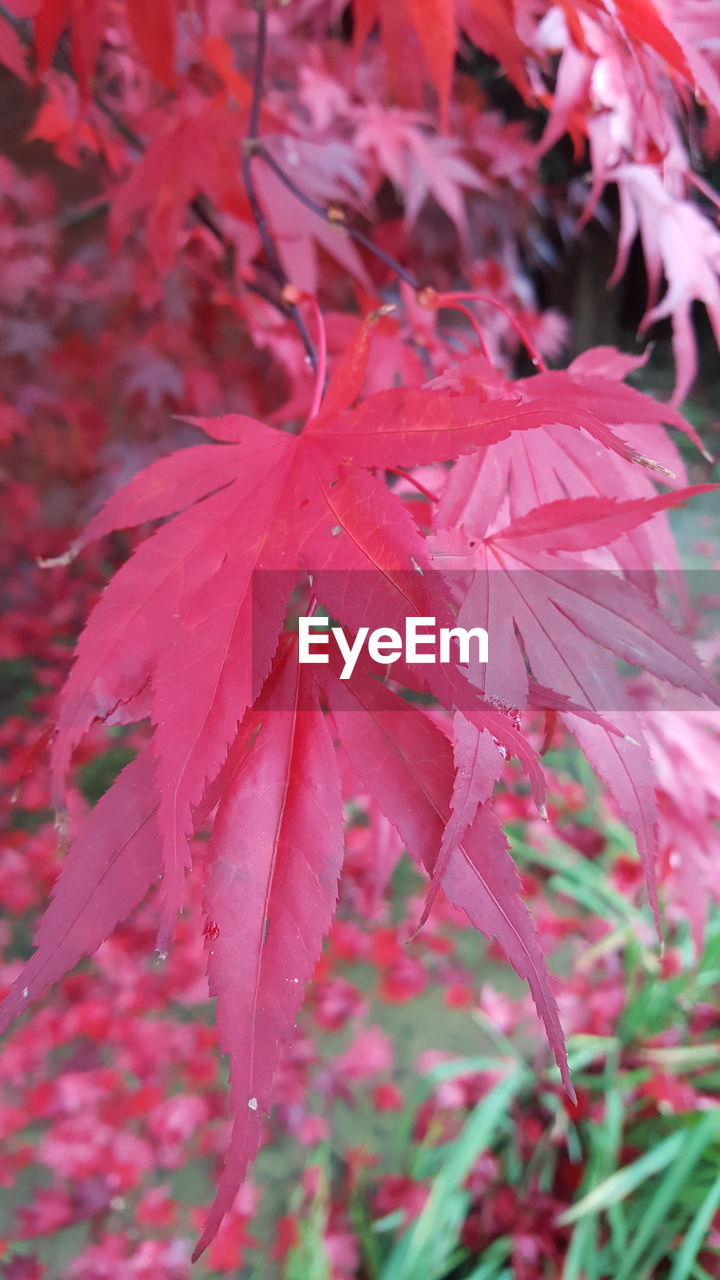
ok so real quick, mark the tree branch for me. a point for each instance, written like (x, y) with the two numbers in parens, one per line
(199, 205)
(334, 216)
(253, 148)
(19, 25)
(249, 150)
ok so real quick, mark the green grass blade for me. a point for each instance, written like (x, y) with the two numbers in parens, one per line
(699, 1227)
(667, 1193)
(423, 1251)
(621, 1184)
(494, 1257)
(582, 1251)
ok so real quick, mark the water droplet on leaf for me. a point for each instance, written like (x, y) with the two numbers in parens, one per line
(512, 713)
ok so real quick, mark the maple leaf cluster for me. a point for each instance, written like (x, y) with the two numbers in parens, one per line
(249, 153)
(138, 1093)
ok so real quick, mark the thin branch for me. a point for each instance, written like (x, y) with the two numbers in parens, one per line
(259, 69)
(18, 25)
(253, 147)
(100, 208)
(119, 125)
(268, 243)
(334, 216)
(249, 150)
(81, 213)
(123, 129)
(387, 258)
(199, 205)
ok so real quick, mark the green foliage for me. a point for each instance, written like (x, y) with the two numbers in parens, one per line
(649, 1188)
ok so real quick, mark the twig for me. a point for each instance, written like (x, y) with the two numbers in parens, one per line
(18, 25)
(334, 216)
(99, 208)
(250, 149)
(199, 205)
(83, 213)
(253, 147)
(268, 243)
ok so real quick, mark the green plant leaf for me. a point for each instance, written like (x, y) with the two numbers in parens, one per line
(426, 1248)
(697, 1231)
(624, 1181)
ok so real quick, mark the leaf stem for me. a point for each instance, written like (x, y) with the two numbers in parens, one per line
(406, 475)
(321, 370)
(449, 300)
(477, 327)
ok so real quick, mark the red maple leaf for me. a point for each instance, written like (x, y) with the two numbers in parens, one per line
(184, 635)
(569, 620)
